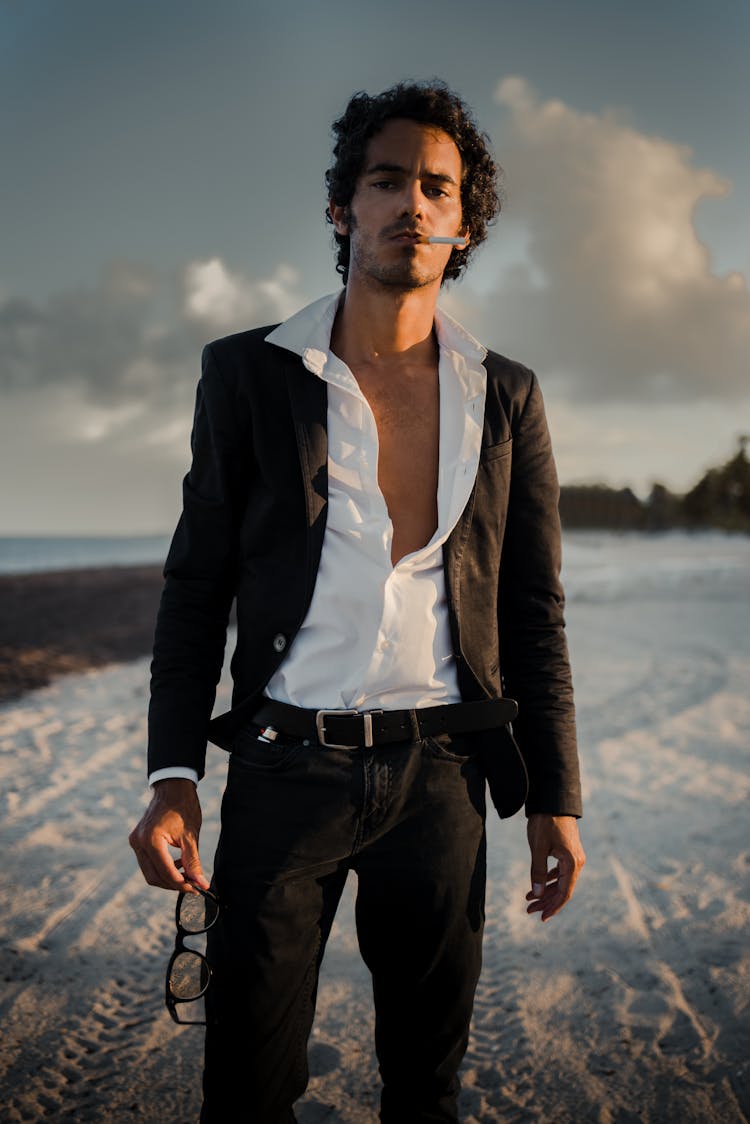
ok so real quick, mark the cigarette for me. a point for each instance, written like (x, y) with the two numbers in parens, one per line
(437, 240)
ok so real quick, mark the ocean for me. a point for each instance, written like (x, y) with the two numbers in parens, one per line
(597, 565)
(39, 553)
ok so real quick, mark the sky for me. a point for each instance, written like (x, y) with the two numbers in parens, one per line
(162, 185)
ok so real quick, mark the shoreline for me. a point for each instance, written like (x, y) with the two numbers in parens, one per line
(73, 619)
(62, 621)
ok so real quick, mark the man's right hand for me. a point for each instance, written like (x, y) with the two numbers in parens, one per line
(172, 819)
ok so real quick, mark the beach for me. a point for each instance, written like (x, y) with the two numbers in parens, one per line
(72, 620)
(631, 1005)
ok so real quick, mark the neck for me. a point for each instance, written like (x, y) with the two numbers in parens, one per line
(376, 324)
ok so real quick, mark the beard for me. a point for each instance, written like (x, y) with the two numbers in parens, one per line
(403, 273)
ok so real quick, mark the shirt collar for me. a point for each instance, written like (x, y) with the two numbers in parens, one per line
(452, 336)
(308, 333)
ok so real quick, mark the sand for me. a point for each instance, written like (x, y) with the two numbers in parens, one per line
(71, 620)
(632, 1005)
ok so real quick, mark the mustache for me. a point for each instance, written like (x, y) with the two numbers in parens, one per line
(400, 228)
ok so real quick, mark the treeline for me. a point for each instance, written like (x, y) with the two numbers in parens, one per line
(720, 499)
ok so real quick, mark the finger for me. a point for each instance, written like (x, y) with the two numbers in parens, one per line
(549, 896)
(539, 853)
(163, 865)
(551, 904)
(552, 876)
(174, 872)
(539, 877)
(569, 871)
(155, 876)
(191, 863)
(547, 906)
(553, 908)
(545, 897)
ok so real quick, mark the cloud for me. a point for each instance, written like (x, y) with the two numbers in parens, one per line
(220, 298)
(614, 291)
(103, 340)
(118, 361)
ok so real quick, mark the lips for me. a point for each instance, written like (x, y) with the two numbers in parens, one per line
(412, 236)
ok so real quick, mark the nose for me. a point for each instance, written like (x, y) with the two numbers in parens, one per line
(411, 199)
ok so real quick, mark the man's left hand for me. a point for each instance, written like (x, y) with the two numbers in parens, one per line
(555, 836)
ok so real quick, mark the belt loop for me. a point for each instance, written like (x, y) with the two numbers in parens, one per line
(367, 723)
(416, 732)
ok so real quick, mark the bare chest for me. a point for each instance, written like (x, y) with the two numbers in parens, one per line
(406, 409)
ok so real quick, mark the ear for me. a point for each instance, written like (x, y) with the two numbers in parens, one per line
(466, 235)
(339, 217)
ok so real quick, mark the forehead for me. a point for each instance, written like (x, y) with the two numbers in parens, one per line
(412, 145)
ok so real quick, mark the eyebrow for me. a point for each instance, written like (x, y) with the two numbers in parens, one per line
(437, 177)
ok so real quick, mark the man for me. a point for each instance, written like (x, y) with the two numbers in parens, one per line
(378, 493)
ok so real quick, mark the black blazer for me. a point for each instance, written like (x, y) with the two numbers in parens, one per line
(252, 525)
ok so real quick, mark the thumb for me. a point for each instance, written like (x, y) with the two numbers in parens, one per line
(538, 871)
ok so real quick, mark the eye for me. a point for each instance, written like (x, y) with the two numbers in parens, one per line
(435, 192)
(383, 184)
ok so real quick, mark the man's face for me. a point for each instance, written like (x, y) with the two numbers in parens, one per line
(410, 185)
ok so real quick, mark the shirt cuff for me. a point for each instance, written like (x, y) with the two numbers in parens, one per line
(173, 771)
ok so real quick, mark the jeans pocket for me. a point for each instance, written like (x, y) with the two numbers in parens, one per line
(255, 754)
(449, 747)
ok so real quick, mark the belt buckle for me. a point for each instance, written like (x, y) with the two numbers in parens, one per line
(320, 726)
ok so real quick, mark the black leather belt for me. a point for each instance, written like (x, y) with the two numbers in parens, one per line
(347, 729)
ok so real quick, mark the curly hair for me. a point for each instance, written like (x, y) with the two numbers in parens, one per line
(428, 103)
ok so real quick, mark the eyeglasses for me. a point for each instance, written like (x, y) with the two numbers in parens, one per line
(188, 971)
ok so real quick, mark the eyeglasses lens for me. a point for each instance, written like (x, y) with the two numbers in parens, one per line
(189, 976)
(197, 912)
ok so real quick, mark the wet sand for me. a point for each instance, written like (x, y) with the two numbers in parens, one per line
(630, 1006)
(72, 620)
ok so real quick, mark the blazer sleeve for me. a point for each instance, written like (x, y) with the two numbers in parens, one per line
(199, 580)
(533, 646)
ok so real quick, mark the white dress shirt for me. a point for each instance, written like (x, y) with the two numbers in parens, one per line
(376, 636)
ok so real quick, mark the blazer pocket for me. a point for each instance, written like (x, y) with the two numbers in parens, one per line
(494, 452)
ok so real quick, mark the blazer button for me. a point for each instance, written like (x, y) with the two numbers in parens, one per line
(279, 642)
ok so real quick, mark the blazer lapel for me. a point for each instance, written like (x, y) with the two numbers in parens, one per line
(308, 396)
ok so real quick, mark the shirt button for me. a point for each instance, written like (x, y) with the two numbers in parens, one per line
(279, 642)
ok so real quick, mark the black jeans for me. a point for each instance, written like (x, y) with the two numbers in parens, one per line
(409, 819)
